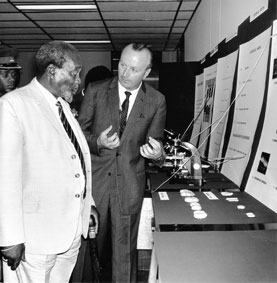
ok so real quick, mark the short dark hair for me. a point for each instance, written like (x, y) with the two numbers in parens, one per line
(142, 46)
(53, 52)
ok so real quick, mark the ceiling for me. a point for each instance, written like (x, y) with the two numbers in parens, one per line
(159, 23)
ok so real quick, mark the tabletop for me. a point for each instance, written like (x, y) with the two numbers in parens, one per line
(221, 208)
(216, 256)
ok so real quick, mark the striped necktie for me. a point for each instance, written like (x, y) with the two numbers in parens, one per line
(73, 139)
(124, 112)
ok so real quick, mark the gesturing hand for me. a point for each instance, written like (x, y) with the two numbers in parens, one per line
(95, 214)
(152, 149)
(104, 141)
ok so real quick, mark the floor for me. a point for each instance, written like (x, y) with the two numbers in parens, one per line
(144, 257)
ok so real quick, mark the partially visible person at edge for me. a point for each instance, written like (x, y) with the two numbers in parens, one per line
(95, 74)
(45, 191)
(119, 154)
(9, 70)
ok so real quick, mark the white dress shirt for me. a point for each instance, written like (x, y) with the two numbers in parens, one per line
(122, 96)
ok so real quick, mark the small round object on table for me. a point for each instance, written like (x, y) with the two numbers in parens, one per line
(191, 199)
(195, 206)
(200, 214)
(186, 193)
(227, 194)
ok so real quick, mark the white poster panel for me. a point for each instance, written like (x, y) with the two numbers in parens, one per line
(224, 85)
(252, 66)
(198, 109)
(209, 90)
(262, 182)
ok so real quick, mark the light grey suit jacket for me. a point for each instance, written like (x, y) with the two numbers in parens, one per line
(40, 191)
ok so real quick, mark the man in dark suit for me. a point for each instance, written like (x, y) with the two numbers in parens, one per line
(119, 150)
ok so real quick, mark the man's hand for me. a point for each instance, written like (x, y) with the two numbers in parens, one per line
(13, 255)
(104, 141)
(95, 214)
(152, 150)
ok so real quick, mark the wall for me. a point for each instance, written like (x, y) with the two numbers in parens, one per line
(89, 60)
(213, 21)
(169, 56)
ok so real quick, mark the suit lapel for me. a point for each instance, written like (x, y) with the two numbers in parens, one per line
(113, 99)
(47, 111)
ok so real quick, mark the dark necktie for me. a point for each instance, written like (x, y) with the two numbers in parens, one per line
(124, 112)
(72, 137)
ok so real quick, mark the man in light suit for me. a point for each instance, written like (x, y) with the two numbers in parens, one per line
(45, 189)
(118, 156)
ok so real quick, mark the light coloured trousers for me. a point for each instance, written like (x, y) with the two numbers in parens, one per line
(55, 268)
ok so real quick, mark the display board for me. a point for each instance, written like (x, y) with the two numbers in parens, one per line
(198, 109)
(262, 182)
(226, 67)
(208, 96)
(250, 88)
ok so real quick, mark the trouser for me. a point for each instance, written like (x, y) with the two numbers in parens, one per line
(122, 230)
(50, 268)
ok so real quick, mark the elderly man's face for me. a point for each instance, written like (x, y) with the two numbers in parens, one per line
(8, 80)
(67, 79)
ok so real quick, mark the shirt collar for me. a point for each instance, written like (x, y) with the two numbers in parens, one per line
(122, 89)
(51, 99)
(46, 93)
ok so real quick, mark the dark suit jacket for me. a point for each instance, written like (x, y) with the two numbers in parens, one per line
(99, 110)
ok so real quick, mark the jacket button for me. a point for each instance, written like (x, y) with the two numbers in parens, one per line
(118, 154)
(73, 156)
(77, 196)
(110, 174)
(77, 175)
